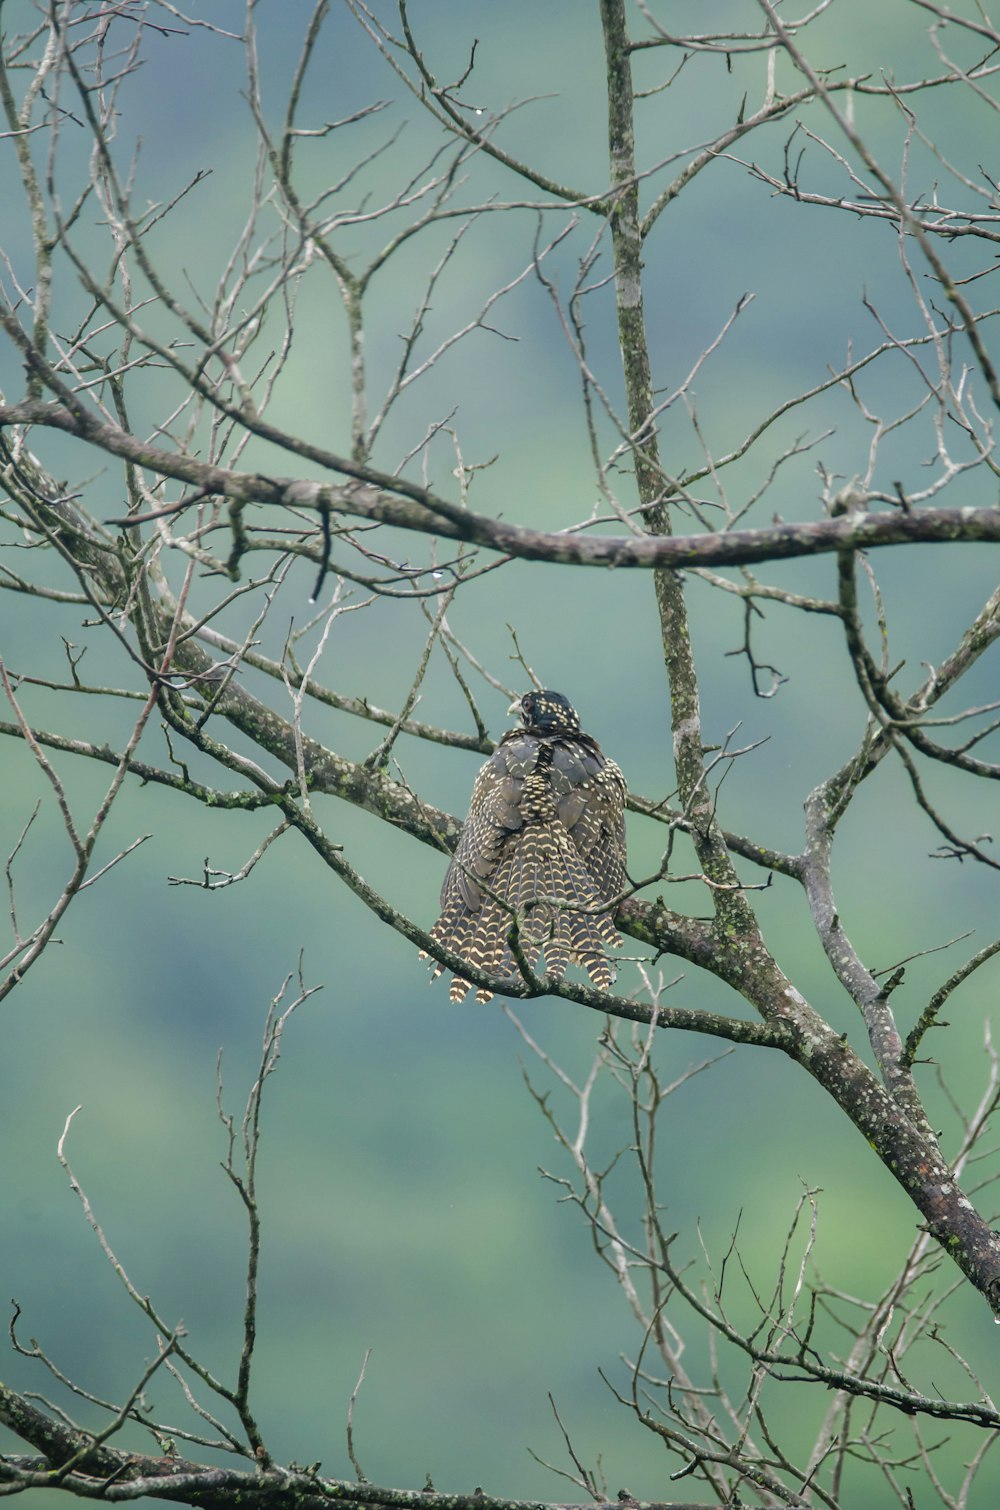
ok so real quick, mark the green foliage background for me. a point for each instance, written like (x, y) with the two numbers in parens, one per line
(403, 1210)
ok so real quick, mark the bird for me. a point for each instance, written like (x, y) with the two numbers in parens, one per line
(543, 846)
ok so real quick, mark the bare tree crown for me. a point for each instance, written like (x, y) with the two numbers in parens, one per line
(370, 391)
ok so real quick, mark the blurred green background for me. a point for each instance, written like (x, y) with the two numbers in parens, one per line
(402, 1205)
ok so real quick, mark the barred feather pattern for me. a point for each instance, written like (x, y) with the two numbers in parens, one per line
(541, 852)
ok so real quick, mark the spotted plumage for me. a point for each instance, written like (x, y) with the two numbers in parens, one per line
(544, 843)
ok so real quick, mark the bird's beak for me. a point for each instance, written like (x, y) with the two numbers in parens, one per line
(515, 707)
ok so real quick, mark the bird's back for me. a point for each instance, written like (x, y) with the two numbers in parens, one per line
(542, 848)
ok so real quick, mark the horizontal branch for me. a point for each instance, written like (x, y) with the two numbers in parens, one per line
(249, 801)
(408, 506)
(653, 923)
(111, 1475)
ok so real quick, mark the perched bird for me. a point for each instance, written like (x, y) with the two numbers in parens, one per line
(544, 844)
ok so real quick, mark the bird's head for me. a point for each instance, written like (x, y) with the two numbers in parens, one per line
(546, 713)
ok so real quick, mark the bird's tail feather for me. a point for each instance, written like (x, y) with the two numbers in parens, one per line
(543, 884)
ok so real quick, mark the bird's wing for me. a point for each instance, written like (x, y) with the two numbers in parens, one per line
(494, 814)
(591, 794)
(544, 843)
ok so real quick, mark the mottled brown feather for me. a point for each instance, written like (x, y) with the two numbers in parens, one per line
(542, 848)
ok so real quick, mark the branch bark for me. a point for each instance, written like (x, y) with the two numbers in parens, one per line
(407, 506)
(115, 1476)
